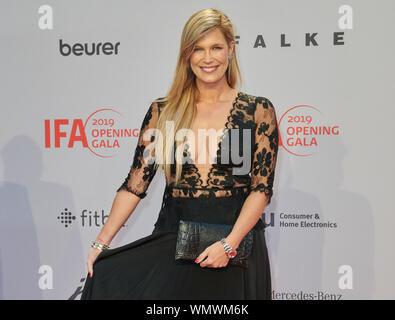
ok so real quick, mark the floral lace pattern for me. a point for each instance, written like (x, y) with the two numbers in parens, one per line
(254, 113)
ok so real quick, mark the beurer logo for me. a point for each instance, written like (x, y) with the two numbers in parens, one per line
(80, 49)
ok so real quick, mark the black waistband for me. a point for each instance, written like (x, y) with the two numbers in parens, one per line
(188, 191)
(211, 210)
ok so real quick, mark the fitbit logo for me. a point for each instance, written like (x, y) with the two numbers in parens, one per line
(88, 218)
(66, 218)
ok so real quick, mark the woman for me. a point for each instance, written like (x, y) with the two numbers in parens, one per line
(202, 96)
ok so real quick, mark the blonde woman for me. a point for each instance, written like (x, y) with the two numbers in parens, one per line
(225, 182)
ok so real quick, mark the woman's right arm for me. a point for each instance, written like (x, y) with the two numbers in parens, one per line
(133, 188)
(122, 207)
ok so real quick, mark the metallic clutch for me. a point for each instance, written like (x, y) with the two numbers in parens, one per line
(193, 237)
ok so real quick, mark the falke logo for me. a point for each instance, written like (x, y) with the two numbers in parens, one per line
(101, 133)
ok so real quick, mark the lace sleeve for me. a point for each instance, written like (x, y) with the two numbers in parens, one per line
(143, 169)
(265, 147)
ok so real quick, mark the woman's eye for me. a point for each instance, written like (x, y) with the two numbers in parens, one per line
(199, 48)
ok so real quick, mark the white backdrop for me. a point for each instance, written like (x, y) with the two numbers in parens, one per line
(325, 65)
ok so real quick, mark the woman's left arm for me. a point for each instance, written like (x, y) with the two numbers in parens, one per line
(262, 170)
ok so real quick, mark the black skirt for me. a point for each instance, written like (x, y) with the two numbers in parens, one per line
(146, 268)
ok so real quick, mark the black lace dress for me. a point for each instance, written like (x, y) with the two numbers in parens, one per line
(146, 268)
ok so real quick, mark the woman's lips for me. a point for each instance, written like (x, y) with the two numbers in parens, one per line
(209, 70)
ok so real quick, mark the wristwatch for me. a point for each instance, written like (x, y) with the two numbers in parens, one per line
(230, 252)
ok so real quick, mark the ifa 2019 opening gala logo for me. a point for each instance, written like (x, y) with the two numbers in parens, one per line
(301, 129)
(102, 133)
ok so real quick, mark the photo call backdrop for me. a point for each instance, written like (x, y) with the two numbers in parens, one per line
(77, 78)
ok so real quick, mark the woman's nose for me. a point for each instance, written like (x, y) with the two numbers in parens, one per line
(207, 56)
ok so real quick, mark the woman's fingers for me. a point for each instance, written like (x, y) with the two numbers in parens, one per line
(213, 256)
(92, 255)
(202, 256)
(90, 268)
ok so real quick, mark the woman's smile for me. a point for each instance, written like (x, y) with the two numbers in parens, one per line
(209, 69)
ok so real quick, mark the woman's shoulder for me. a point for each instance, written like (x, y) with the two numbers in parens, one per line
(256, 106)
(158, 104)
(254, 100)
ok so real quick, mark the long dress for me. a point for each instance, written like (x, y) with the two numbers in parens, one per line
(146, 268)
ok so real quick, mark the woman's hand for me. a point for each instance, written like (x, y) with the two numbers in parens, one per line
(92, 256)
(216, 256)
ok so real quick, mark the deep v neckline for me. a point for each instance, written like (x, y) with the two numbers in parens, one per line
(224, 130)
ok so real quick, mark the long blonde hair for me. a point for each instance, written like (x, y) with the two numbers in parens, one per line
(179, 103)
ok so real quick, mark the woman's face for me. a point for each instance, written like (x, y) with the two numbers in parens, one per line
(211, 50)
